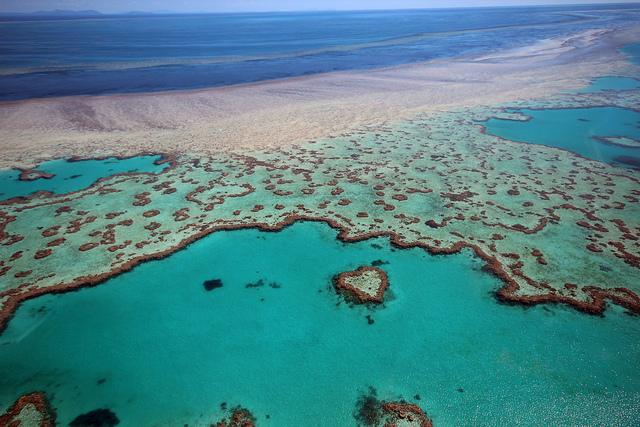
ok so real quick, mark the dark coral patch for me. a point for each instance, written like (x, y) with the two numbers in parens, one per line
(432, 224)
(42, 253)
(258, 284)
(408, 412)
(212, 284)
(96, 418)
(142, 199)
(56, 242)
(51, 231)
(88, 246)
(151, 213)
(628, 160)
(458, 197)
(22, 274)
(152, 226)
(370, 411)
(240, 417)
(33, 175)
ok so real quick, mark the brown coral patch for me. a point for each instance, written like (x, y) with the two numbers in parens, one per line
(47, 416)
(346, 283)
(88, 246)
(22, 274)
(240, 417)
(459, 197)
(151, 213)
(51, 231)
(33, 175)
(42, 253)
(56, 242)
(142, 199)
(407, 412)
(181, 214)
(152, 226)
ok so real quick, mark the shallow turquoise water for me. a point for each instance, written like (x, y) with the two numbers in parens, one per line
(171, 352)
(74, 176)
(574, 129)
(611, 83)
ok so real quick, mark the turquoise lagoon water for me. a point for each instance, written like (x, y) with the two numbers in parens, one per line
(618, 83)
(170, 352)
(74, 176)
(574, 129)
(612, 83)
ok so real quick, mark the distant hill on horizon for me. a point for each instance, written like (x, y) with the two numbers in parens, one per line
(55, 12)
(60, 13)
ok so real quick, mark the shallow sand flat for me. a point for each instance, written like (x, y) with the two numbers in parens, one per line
(279, 113)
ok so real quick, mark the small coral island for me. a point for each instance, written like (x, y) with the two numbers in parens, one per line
(404, 414)
(240, 417)
(33, 174)
(31, 409)
(371, 412)
(362, 286)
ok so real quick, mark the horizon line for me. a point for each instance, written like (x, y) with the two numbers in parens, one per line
(94, 12)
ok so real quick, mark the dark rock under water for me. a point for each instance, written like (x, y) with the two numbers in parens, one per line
(96, 418)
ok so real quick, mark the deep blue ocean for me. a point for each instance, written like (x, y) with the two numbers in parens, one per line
(117, 54)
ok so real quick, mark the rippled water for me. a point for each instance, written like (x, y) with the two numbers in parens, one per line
(150, 53)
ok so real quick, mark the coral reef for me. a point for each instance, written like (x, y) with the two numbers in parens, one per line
(553, 226)
(212, 284)
(372, 412)
(30, 410)
(33, 174)
(364, 285)
(240, 417)
(96, 418)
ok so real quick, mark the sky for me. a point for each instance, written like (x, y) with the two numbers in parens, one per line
(115, 6)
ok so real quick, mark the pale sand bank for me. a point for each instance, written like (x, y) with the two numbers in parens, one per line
(283, 112)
